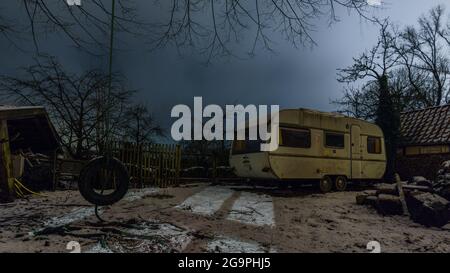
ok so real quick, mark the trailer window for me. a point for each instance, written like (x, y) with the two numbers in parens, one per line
(334, 140)
(298, 138)
(373, 145)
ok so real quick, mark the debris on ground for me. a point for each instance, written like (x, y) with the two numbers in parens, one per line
(132, 236)
(302, 221)
(426, 201)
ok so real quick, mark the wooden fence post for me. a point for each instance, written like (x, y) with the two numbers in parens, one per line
(178, 164)
(214, 168)
(6, 179)
(156, 163)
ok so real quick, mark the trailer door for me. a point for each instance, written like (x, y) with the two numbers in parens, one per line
(355, 152)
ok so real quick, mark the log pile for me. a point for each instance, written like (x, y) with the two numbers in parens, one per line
(423, 205)
(384, 199)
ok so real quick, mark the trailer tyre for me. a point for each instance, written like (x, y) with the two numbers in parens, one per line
(88, 183)
(326, 184)
(340, 183)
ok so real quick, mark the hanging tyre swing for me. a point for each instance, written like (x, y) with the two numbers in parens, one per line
(103, 181)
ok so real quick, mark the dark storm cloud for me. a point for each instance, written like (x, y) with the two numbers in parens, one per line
(291, 78)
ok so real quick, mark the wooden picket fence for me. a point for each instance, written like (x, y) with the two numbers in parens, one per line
(150, 164)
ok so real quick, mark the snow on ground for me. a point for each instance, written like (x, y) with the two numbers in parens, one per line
(135, 195)
(253, 209)
(208, 201)
(75, 215)
(99, 248)
(154, 237)
(230, 245)
(82, 213)
(248, 219)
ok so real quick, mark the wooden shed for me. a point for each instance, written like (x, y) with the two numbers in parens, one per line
(23, 129)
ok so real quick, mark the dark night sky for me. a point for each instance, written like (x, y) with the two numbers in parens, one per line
(291, 78)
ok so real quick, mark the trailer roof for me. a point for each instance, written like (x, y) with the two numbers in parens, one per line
(327, 121)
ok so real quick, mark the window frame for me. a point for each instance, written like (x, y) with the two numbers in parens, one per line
(367, 144)
(296, 129)
(325, 133)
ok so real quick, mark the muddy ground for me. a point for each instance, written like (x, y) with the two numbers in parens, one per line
(211, 218)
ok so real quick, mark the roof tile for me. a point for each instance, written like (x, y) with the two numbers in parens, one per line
(426, 126)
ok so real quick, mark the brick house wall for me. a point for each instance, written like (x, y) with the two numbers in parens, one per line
(425, 165)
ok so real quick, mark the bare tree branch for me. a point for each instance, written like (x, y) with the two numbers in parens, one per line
(73, 102)
(216, 24)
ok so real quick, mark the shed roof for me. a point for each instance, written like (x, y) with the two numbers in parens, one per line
(429, 126)
(29, 127)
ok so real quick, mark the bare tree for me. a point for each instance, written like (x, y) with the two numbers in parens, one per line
(425, 56)
(85, 26)
(377, 66)
(406, 70)
(7, 29)
(212, 26)
(420, 78)
(362, 102)
(358, 102)
(72, 101)
(139, 125)
(209, 26)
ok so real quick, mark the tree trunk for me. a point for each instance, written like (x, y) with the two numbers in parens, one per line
(388, 118)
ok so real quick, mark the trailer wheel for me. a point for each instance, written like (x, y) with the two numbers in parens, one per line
(340, 183)
(326, 184)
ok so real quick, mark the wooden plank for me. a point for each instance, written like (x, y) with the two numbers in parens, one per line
(21, 112)
(6, 178)
(140, 165)
(173, 165)
(402, 195)
(178, 164)
(167, 166)
(151, 162)
(157, 164)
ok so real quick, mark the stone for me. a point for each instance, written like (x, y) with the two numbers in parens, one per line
(428, 209)
(389, 205)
